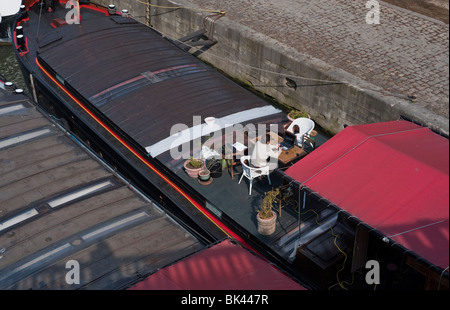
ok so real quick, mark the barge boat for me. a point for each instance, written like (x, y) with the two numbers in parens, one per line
(137, 98)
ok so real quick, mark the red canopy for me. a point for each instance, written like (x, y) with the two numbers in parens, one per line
(224, 266)
(394, 176)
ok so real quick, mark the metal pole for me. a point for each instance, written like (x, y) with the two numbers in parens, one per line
(148, 12)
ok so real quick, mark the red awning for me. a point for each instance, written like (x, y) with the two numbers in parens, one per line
(394, 176)
(224, 266)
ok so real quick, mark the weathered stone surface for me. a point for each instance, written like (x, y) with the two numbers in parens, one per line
(377, 67)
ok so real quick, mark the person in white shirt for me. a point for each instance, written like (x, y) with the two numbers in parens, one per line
(265, 154)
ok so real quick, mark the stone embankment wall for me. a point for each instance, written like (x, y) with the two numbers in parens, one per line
(330, 95)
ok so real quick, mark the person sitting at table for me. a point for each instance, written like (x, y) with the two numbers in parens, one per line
(265, 154)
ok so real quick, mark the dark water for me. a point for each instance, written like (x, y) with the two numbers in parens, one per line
(9, 67)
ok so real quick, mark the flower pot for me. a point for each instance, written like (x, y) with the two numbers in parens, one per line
(193, 172)
(204, 175)
(216, 170)
(267, 226)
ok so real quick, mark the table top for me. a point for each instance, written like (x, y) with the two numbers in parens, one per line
(287, 156)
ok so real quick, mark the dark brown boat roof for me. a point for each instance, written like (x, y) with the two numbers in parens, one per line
(143, 84)
(59, 203)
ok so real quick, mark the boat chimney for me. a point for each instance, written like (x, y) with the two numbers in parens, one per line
(18, 91)
(50, 5)
(19, 30)
(23, 12)
(112, 9)
(20, 41)
(125, 13)
(9, 86)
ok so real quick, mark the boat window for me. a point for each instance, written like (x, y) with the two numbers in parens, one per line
(60, 79)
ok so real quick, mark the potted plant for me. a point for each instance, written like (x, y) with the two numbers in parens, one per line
(215, 166)
(294, 114)
(211, 170)
(193, 166)
(204, 175)
(266, 217)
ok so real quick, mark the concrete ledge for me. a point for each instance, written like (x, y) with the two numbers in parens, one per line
(139, 10)
(262, 63)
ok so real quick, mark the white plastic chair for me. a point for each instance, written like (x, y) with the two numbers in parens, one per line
(305, 126)
(252, 172)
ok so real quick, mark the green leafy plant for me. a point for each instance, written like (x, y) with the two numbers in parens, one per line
(297, 114)
(195, 163)
(213, 161)
(269, 199)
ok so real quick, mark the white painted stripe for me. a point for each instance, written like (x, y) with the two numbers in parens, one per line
(42, 257)
(12, 108)
(203, 129)
(9, 276)
(78, 194)
(22, 138)
(98, 233)
(18, 219)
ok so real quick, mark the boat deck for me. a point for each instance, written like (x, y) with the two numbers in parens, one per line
(59, 203)
(226, 196)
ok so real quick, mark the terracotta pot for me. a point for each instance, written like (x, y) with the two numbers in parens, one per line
(193, 173)
(267, 226)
